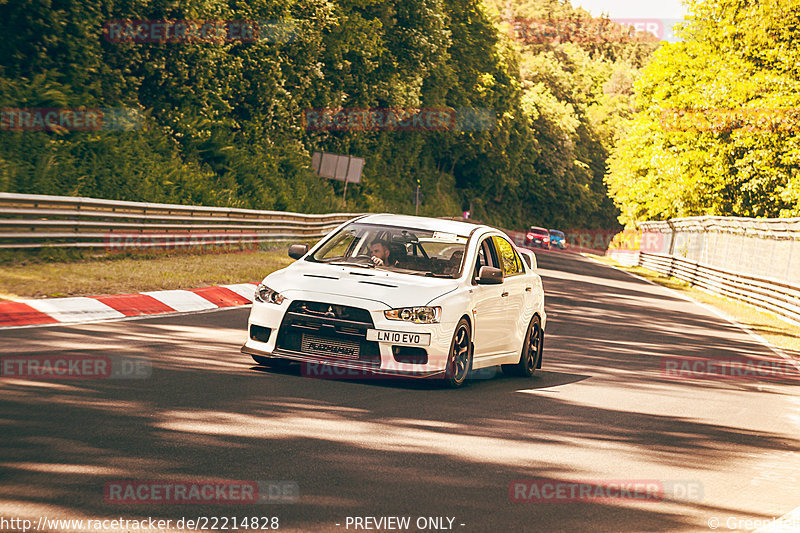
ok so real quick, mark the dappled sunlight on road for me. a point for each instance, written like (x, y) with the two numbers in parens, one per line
(373, 435)
(599, 409)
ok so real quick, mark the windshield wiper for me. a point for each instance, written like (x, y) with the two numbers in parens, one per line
(438, 275)
(348, 263)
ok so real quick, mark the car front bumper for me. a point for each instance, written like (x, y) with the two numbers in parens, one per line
(313, 365)
(272, 317)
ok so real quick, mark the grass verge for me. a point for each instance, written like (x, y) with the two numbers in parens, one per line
(34, 276)
(776, 331)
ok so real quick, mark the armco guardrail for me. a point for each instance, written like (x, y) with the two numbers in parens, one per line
(753, 260)
(768, 248)
(36, 221)
(780, 298)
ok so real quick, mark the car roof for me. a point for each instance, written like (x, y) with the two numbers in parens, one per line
(538, 228)
(423, 223)
(557, 231)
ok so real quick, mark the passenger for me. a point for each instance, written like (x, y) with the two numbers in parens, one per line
(454, 263)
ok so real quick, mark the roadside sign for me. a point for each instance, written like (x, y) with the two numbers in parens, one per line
(338, 167)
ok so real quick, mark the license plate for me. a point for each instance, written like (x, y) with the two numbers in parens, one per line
(403, 338)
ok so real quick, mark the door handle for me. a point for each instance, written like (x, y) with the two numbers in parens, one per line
(504, 294)
(528, 289)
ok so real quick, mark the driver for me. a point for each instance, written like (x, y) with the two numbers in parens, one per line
(381, 254)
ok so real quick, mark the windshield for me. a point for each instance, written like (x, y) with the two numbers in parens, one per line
(406, 250)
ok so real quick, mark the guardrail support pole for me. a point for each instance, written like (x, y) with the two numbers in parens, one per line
(671, 236)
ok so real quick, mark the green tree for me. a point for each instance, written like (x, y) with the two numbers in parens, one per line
(717, 130)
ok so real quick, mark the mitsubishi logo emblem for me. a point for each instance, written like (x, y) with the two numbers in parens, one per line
(330, 312)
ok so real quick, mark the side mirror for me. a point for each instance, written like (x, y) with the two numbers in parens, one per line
(529, 257)
(296, 251)
(490, 276)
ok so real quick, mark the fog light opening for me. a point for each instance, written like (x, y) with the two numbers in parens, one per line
(410, 354)
(260, 333)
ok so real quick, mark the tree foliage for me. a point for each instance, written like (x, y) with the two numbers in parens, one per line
(223, 121)
(718, 127)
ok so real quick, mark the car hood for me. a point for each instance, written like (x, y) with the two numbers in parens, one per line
(390, 288)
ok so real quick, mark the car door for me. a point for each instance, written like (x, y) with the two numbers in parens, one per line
(515, 285)
(489, 309)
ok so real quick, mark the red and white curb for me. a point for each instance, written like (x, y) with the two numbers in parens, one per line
(81, 309)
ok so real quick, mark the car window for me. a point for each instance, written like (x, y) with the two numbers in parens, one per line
(407, 250)
(340, 247)
(487, 256)
(509, 259)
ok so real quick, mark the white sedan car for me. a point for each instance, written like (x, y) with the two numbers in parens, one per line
(403, 295)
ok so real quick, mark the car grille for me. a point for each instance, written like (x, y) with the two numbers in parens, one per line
(326, 346)
(328, 331)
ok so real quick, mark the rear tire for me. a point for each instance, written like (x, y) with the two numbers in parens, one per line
(459, 360)
(531, 356)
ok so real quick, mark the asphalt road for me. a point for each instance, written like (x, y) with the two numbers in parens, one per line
(601, 411)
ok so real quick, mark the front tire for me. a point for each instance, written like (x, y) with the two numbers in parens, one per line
(459, 360)
(531, 357)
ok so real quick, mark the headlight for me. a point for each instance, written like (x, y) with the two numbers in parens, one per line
(266, 295)
(418, 315)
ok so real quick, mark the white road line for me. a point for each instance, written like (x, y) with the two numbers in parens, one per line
(788, 523)
(761, 340)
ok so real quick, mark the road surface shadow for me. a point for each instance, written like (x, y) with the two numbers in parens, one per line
(372, 447)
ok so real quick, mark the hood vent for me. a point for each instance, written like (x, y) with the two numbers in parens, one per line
(378, 283)
(319, 276)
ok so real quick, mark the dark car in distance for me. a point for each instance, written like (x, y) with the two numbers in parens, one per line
(537, 238)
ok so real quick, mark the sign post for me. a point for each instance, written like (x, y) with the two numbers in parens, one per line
(344, 194)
